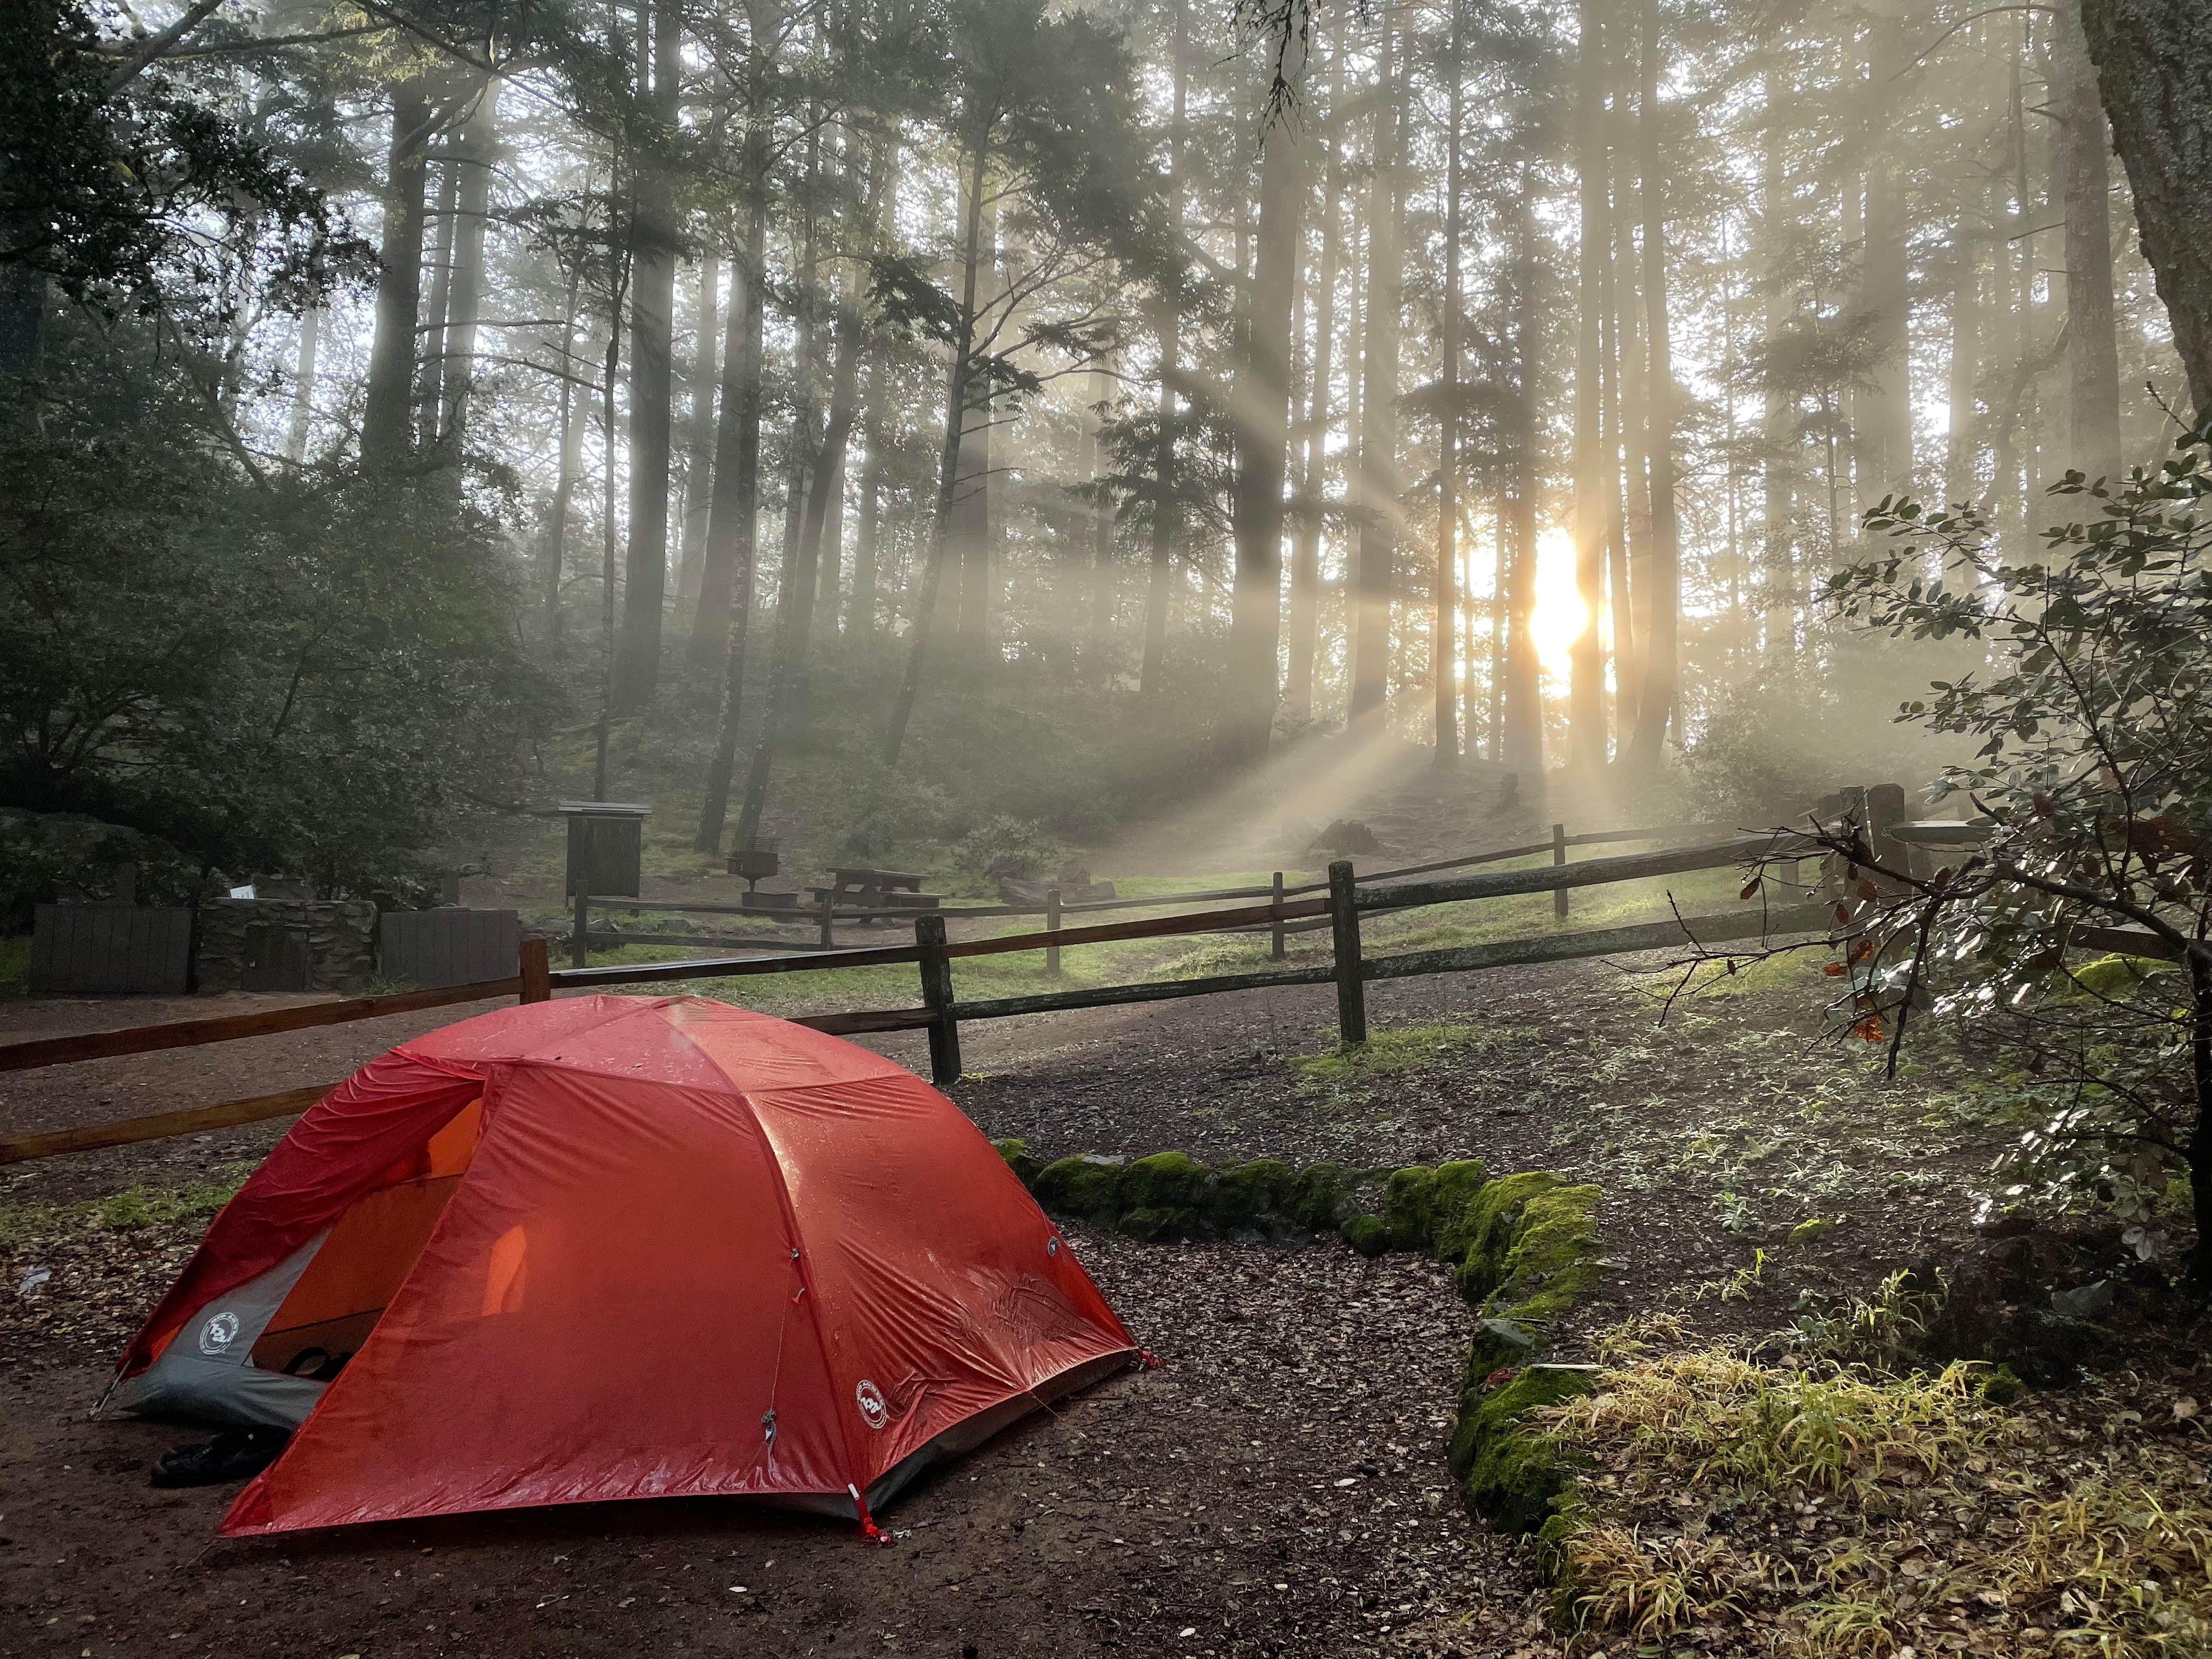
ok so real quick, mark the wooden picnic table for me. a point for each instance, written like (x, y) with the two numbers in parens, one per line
(863, 889)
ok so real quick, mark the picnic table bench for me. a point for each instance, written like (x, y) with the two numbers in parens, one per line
(876, 889)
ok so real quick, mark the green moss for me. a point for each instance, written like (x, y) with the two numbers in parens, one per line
(1383, 1054)
(2117, 977)
(1408, 1208)
(2002, 1386)
(1810, 1230)
(1510, 1468)
(1318, 1196)
(1553, 1261)
(1489, 1224)
(1249, 1194)
(1368, 1234)
(1164, 1181)
(1024, 1164)
(1086, 1185)
(1452, 1207)
(1156, 1226)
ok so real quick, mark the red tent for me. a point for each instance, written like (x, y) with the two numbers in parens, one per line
(609, 1246)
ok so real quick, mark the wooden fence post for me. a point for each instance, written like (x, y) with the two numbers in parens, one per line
(1052, 926)
(937, 997)
(1351, 989)
(1885, 808)
(1560, 858)
(1276, 950)
(580, 946)
(536, 972)
(828, 915)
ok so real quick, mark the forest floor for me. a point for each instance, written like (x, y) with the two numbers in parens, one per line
(1278, 1488)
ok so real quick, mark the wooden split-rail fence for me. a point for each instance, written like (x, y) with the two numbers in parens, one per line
(1338, 905)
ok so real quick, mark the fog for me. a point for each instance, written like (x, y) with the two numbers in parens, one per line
(861, 425)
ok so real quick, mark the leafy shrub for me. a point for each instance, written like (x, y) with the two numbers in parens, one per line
(1003, 845)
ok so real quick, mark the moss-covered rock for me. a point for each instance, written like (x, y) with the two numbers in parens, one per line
(1552, 1260)
(1451, 1207)
(1369, 1235)
(1810, 1230)
(1164, 1181)
(1086, 1185)
(1492, 1225)
(1248, 1195)
(1319, 1196)
(2002, 1386)
(1156, 1226)
(1018, 1157)
(1408, 1207)
(1510, 1468)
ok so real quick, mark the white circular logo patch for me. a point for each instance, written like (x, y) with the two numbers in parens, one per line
(1052, 1247)
(870, 1399)
(218, 1333)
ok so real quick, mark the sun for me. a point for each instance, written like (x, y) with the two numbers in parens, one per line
(1560, 616)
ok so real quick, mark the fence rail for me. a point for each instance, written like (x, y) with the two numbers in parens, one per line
(940, 1013)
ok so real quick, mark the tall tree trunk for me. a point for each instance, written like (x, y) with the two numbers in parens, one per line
(795, 607)
(958, 399)
(430, 370)
(387, 421)
(2154, 61)
(1656, 708)
(1095, 656)
(1261, 399)
(1586, 686)
(876, 430)
(719, 626)
(1632, 588)
(2092, 355)
(472, 159)
(1305, 558)
(303, 387)
(699, 459)
(1776, 412)
(555, 569)
(1523, 720)
(1960, 447)
(1374, 576)
(1167, 515)
(971, 527)
(1884, 445)
(637, 670)
(733, 512)
(876, 434)
(1445, 581)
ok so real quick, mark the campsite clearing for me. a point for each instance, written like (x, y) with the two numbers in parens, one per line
(1295, 1437)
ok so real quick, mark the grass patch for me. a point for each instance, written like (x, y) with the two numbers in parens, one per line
(1385, 1054)
(134, 1207)
(1821, 1509)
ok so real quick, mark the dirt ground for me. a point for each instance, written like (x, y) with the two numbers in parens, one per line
(1277, 1488)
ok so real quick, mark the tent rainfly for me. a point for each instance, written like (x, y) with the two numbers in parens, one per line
(618, 1247)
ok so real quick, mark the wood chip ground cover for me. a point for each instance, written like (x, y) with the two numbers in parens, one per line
(1145, 1509)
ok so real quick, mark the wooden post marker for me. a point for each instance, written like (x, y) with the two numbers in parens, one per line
(536, 972)
(1351, 990)
(1276, 950)
(1052, 926)
(1560, 857)
(828, 914)
(937, 997)
(580, 945)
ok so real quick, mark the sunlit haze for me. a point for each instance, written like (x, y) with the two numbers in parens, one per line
(1560, 616)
